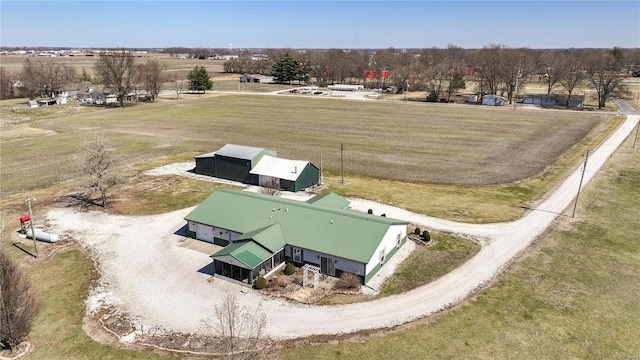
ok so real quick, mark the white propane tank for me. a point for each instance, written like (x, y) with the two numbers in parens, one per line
(43, 236)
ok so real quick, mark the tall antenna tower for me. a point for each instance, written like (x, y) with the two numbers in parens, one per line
(230, 47)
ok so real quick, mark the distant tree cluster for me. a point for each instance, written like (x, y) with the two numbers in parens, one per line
(495, 69)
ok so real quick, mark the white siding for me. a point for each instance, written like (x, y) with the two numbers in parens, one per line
(341, 264)
(207, 233)
(388, 243)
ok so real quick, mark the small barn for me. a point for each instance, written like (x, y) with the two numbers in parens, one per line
(259, 79)
(493, 100)
(232, 162)
(285, 174)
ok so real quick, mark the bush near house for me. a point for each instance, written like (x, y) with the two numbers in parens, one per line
(417, 231)
(261, 283)
(348, 281)
(426, 236)
(289, 269)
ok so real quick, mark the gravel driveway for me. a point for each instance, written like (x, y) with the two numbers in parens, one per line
(146, 273)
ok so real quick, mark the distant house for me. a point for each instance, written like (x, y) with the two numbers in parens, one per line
(493, 100)
(260, 79)
(51, 102)
(260, 232)
(99, 95)
(577, 101)
(285, 174)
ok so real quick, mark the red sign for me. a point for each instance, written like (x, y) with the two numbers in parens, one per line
(370, 75)
(25, 218)
(385, 74)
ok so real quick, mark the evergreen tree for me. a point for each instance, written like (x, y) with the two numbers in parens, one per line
(199, 79)
(290, 69)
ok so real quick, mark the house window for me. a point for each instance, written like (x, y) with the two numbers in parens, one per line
(382, 256)
(297, 255)
(398, 240)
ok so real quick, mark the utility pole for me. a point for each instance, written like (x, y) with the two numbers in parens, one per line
(33, 232)
(584, 170)
(341, 163)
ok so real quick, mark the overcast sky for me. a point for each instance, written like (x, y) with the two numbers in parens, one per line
(320, 24)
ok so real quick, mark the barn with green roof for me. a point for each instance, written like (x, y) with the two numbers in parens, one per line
(261, 232)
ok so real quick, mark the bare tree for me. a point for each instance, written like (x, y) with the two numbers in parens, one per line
(7, 84)
(45, 78)
(118, 72)
(603, 71)
(553, 68)
(97, 166)
(271, 188)
(152, 77)
(239, 329)
(572, 73)
(19, 305)
(178, 85)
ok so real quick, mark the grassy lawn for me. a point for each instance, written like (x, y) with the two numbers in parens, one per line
(574, 294)
(427, 263)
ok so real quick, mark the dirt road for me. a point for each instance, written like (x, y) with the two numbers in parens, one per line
(146, 273)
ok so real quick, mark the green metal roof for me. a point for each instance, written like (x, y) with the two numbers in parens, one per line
(343, 233)
(270, 237)
(329, 200)
(247, 252)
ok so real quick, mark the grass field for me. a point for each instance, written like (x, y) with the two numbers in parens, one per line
(575, 294)
(411, 147)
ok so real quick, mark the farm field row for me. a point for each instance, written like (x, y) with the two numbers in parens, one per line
(450, 161)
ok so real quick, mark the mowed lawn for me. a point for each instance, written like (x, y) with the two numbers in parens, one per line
(574, 295)
(428, 158)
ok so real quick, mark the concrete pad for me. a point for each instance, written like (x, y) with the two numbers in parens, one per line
(201, 246)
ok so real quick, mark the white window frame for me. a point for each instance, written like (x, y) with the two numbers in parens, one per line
(298, 255)
(383, 255)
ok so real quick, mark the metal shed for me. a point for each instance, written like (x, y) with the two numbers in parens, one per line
(285, 174)
(232, 162)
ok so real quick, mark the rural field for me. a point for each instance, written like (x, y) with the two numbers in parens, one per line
(476, 156)
(459, 162)
(573, 294)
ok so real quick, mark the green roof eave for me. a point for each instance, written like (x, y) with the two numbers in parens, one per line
(247, 252)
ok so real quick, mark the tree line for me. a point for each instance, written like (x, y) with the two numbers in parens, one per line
(440, 72)
(495, 69)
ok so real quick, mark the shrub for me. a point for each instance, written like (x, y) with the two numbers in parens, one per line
(417, 231)
(289, 269)
(426, 236)
(348, 281)
(370, 211)
(260, 283)
(384, 215)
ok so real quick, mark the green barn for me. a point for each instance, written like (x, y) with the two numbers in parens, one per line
(285, 174)
(232, 162)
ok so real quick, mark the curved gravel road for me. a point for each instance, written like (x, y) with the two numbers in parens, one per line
(145, 272)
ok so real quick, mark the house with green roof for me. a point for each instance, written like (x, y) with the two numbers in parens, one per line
(261, 232)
